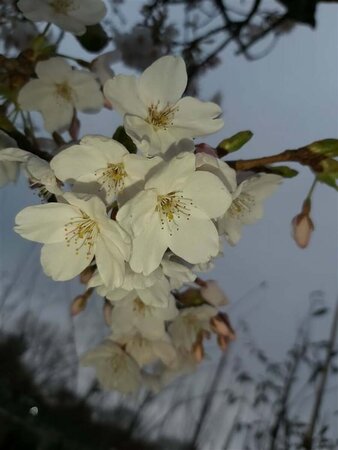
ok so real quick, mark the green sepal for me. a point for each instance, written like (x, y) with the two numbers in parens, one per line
(233, 143)
(122, 137)
(95, 38)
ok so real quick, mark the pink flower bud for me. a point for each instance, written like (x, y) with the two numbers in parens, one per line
(78, 305)
(221, 325)
(205, 148)
(302, 226)
(213, 294)
(198, 351)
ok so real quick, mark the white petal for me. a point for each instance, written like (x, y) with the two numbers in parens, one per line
(208, 193)
(93, 153)
(33, 95)
(89, 204)
(164, 81)
(262, 185)
(196, 118)
(148, 247)
(44, 223)
(110, 262)
(218, 167)
(172, 176)
(135, 213)
(196, 240)
(86, 91)
(59, 116)
(156, 295)
(62, 263)
(122, 91)
(54, 70)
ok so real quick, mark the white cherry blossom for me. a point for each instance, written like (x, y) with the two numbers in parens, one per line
(174, 211)
(70, 15)
(42, 176)
(132, 314)
(152, 290)
(187, 326)
(115, 369)
(72, 234)
(103, 164)
(11, 158)
(155, 115)
(147, 351)
(247, 204)
(59, 90)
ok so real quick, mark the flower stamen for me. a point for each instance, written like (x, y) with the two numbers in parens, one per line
(241, 205)
(161, 118)
(112, 178)
(83, 231)
(172, 207)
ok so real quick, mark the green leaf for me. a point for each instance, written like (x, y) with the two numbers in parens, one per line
(328, 179)
(122, 137)
(284, 171)
(95, 38)
(233, 143)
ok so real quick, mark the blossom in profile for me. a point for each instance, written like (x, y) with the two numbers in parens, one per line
(58, 91)
(175, 210)
(102, 163)
(70, 15)
(115, 368)
(155, 115)
(11, 158)
(42, 176)
(247, 204)
(72, 234)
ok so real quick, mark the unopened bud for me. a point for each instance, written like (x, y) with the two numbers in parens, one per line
(86, 274)
(213, 294)
(78, 305)
(221, 325)
(198, 351)
(205, 148)
(233, 143)
(302, 226)
(107, 312)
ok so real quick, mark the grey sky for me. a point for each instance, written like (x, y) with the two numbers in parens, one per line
(288, 99)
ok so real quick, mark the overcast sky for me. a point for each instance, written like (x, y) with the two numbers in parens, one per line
(288, 99)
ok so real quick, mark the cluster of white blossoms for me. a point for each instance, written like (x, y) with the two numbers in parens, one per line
(137, 227)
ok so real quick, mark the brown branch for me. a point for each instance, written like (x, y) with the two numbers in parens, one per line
(302, 156)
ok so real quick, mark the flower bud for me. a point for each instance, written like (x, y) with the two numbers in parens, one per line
(198, 351)
(86, 274)
(213, 294)
(302, 226)
(78, 305)
(233, 143)
(326, 147)
(221, 325)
